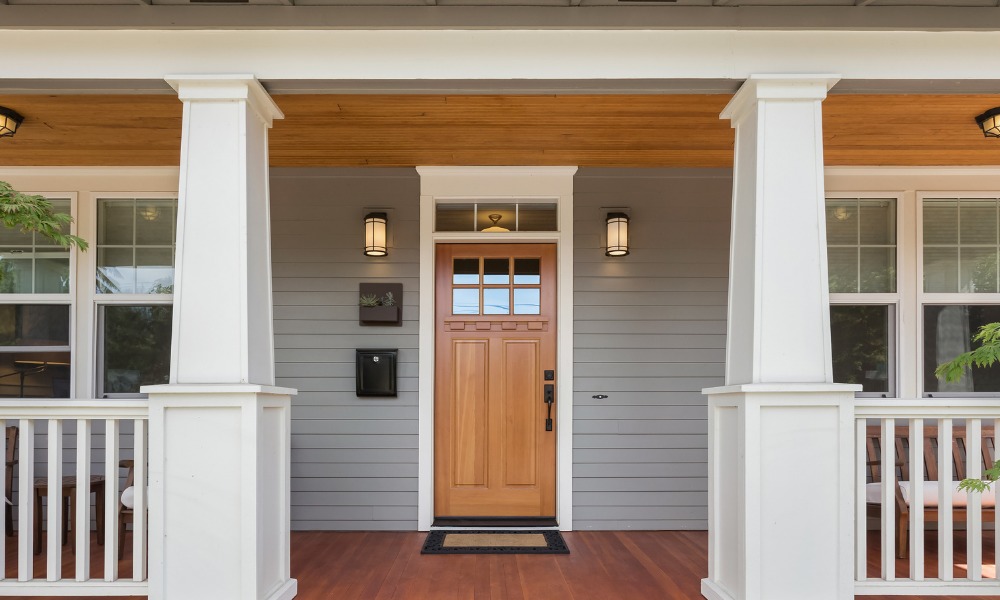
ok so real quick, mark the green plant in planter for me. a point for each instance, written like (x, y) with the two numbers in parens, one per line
(388, 299)
(368, 300)
(34, 214)
(988, 353)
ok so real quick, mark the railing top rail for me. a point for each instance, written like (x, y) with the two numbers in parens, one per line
(928, 408)
(46, 408)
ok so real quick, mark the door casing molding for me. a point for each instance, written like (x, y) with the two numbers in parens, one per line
(497, 184)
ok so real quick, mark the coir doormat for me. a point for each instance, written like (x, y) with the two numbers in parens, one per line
(539, 541)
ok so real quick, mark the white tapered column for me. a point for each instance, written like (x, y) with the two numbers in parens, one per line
(219, 440)
(780, 470)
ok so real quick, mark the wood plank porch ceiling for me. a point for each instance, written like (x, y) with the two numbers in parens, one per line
(587, 130)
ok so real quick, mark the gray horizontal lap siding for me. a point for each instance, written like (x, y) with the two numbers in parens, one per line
(649, 332)
(354, 461)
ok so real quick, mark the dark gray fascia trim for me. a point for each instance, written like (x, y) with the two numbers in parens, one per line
(258, 16)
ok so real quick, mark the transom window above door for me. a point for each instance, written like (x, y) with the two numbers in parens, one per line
(496, 286)
(494, 217)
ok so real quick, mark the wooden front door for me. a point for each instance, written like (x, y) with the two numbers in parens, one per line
(495, 437)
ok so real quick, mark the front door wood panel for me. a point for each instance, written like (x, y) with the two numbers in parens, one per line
(493, 455)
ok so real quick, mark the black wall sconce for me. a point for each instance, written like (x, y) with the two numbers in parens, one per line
(989, 122)
(617, 234)
(9, 122)
(375, 234)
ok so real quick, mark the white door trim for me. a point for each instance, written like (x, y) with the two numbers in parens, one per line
(496, 183)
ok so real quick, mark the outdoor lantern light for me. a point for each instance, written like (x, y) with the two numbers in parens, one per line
(375, 234)
(149, 213)
(617, 234)
(9, 122)
(989, 122)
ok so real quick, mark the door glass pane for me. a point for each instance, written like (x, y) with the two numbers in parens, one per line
(136, 347)
(940, 222)
(940, 269)
(842, 222)
(978, 270)
(465, 301)
(979, 222)
(496, 271)
(878, 269)
(454, 217)
(493, 218)
(527, 271)
(537, 217)
(527, 301)
(466, 270)
(860, 343)
(948, 332)
(496, 301)
(843, 269)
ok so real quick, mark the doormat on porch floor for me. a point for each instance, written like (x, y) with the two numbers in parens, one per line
(538, 541)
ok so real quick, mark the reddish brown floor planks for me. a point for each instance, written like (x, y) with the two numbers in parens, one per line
(603, 565)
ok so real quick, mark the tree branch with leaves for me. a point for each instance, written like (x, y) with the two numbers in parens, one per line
(35, 214)
(987, 354)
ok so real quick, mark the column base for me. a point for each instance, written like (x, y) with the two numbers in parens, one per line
(780, 492)
(219, 498)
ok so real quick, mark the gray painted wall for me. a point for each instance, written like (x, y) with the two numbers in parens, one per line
(354, 460)
(649, 333)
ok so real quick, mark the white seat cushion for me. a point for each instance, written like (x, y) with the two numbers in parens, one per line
(128, 497)
(959, 499)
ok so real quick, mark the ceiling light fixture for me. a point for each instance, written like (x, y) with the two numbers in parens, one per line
(10, 120)
(989, 122)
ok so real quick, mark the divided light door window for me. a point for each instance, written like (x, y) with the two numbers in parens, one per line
(35, 313)
(135, 246)
(862, 253)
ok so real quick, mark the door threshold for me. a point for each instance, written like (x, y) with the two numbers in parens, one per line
(495, 522)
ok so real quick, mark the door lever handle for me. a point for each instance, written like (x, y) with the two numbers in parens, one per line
(549, 397)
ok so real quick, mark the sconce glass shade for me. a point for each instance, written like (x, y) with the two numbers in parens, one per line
(375, 244)
(989, 122)
(617, 234)
(9, 122)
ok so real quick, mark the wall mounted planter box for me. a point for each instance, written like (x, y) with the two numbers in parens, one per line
(381, 315)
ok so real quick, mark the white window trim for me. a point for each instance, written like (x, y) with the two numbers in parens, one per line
(892, 299)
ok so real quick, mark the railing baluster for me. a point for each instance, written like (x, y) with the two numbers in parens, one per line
(917, 499)
(996, 505)
(139, 509)
(54, 535)
(973, 508)
(111, 430)
(945, 528)
(82, 523)
(861, 501)
(888, 444)
(8, 496)
(26, 500)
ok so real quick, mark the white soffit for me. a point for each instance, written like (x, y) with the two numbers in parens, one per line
(499, 55)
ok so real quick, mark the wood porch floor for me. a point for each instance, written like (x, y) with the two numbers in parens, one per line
(629, 565)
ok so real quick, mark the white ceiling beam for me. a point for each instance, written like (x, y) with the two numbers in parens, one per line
(374, 55)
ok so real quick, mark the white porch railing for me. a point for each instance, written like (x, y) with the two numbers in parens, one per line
(892, 440)
(56, 418)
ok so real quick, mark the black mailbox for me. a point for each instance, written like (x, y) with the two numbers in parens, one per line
(376, 374)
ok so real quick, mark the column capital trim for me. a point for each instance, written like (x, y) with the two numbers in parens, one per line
(193, 88)
(777, 87)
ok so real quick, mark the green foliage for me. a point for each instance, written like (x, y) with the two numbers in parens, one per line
(980, 485)
(34, 214)
(368, 300)
(388, 299)
(985, 355)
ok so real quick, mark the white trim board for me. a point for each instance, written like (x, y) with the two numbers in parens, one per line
(491, 183)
